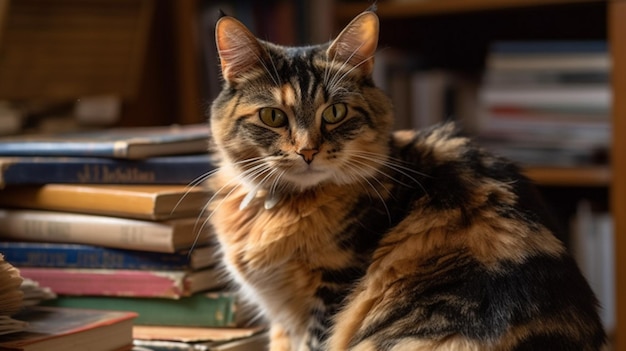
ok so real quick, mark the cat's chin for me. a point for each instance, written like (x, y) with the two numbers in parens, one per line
(307, 179)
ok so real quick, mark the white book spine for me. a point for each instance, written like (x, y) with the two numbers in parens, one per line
(62, 227)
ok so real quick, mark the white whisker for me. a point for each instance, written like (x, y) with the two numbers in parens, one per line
(390, 163)
(394, 163)
(192, 185)
(276, 182)
(334, 79)
(277, 81)
(258, 167)
(357, 172)
(345, 74)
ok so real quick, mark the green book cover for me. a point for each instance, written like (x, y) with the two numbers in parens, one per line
(214, 309)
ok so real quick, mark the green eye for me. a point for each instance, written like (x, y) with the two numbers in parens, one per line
(273, 117)
(335, 113)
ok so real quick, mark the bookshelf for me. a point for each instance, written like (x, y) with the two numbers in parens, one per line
(605, 20)
(170, 86)
(577, 177)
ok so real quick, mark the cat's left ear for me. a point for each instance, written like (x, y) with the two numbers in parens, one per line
(356, 44)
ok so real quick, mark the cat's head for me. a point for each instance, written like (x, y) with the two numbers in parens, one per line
(292, 118)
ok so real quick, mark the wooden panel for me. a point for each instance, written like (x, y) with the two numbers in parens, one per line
(65, 49)
(430, 7)
(4, 8)
(617, 36)
(188, 66)
(156, 102)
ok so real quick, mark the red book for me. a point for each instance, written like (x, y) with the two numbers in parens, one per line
(112, 282)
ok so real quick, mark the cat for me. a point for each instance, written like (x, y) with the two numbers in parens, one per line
(349, 236)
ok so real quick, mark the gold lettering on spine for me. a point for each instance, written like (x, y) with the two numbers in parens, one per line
(121, 174)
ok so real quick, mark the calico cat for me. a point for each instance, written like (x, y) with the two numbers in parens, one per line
(350, 237)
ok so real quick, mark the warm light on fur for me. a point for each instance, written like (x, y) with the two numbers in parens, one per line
(348, 237)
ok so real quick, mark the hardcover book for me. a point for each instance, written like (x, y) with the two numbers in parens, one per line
(257, 342)
(213, 309)
(154, 202)
(183, 169)
(193, 334)
(59, 255)
(567, 55)
(116, 282)
(62, 329)
(124, 233)
(131, 143)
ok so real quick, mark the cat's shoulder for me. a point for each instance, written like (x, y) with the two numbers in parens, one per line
(447, 139)
(446, 148)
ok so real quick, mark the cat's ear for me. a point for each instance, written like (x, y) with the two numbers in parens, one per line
(238, 48)
(356, 44)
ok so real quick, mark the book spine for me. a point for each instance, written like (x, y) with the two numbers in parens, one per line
(165, 170)
(565, 62)
(46, 255)
(550, 47)
(162, 345)
(45, 226)
(65, 148)
(209, 309)
(165, 284)
(151, 202)
(593, 96)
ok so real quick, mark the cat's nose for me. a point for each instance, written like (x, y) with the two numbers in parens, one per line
(308, 154)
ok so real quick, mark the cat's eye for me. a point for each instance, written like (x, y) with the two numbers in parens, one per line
(273, 117)
(335, 113)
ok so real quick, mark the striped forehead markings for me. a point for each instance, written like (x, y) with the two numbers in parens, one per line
(288, 96)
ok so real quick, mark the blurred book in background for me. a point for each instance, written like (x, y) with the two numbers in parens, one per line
(547, 103)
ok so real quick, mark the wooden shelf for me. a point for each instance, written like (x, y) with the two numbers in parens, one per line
(597, 176)
(617, 37)
(406, 9)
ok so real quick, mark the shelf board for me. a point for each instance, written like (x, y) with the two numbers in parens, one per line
(576, 176)
(403, 9)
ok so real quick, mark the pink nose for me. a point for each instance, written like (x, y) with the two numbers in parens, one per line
(308, 154)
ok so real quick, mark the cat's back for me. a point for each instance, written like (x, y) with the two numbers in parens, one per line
(473, 265)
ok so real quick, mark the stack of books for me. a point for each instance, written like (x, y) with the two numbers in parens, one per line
(547, 102)
(114, 221)
(24, 326)
(592, 241)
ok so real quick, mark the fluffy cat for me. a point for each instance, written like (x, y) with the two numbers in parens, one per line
(350, 237)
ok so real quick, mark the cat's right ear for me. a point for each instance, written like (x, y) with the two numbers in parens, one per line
(239, 50)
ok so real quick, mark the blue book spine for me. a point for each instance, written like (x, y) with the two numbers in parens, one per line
(49, 255)
(93, 170)
(41, 148)
(132, 142)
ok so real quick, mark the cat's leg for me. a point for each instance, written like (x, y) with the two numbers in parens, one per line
(279, 339)
(414, 344)
(352, 319)
(377, 316)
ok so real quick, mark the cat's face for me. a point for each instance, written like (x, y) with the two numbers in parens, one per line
(293, 118)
